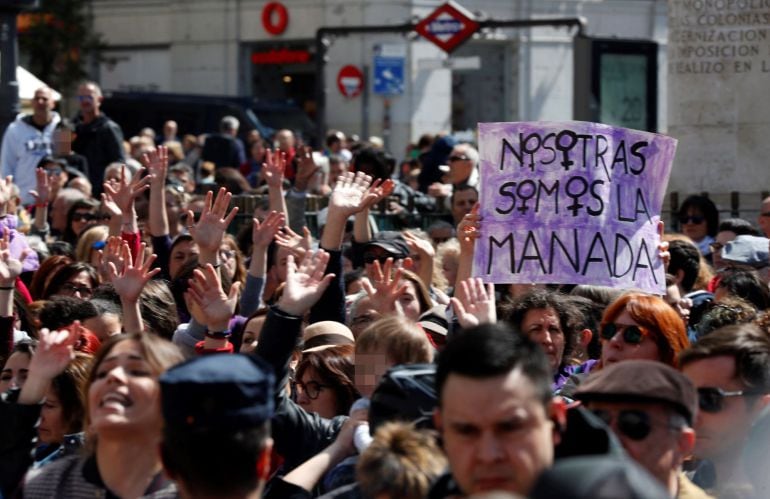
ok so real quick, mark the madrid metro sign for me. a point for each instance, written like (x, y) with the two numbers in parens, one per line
(448, 26)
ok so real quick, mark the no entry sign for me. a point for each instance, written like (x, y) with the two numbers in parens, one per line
(448, 26)
(350, 81)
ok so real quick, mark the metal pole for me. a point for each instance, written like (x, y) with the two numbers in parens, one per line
(365, 105)
(9, 55)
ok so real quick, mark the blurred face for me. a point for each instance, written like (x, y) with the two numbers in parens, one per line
(281, 264)
(285, 140)
(314, 396)
(78, 286)
(618, 348)
(764, 218)
(113, 175)
(169, 129)
(124, 396)
(722, 434)
(336, 168)
(89, 99)
(42, 102)
(662, 449)
(462, 203)
(104, 325)
(542, 326)
(57, 176)
(497, 435)
(257, 151)
(83, 219)
(409, 302)
(181, 254)
(441, 235)
(365, 314)
(227, 259)
(62, 140)
(59, 210)
(370, 367)
(14, 372)
(449, 269)
(723, 237)
(694, 224)
(51, 429)
(251, 334)
(460, 166)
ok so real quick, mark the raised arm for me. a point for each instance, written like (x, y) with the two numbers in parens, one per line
(156, 163)
(54, 352)
(261, 236)
(273, 169)
(212, 308)
(124, 192)
(129, 284)
(474, 303)
(467, 233)
(43, 195)
(384, 286)
(10, 269)
(424, 249)
(211, 227)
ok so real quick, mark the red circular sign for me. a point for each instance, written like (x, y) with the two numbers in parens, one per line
(278, 11)
(350, 81)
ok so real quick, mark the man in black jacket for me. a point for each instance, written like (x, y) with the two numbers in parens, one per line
(98, 138)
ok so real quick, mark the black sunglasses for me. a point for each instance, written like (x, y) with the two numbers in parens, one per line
(634, 424)
(458, 158)
(370, 259)
(633, 335)
(696, 219)
(84, 217)
(712, 399)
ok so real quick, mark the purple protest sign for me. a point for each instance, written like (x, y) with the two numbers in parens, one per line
(571, 203)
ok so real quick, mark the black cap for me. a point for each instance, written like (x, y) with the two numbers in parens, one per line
(642, 381)
(50, 159)
(218, 391)
(391, 241)
(405, 393)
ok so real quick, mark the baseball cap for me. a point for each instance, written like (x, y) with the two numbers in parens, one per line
(218, 391)
(392, 242)
(747, 250)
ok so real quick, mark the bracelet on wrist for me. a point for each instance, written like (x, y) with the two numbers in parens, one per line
(7, 288)
(41, 205)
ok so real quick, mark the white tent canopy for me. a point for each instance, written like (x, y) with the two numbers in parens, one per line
(28, 83)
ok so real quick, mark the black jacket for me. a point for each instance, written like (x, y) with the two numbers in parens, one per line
(101, 142)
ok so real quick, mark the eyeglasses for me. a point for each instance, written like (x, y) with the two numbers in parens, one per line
(712, 399)
(54, 171)
(226, 254)
(458, 158)
(312, 388)
(71, 289)
(86, 98)
(715, 247)
(634, 424)
(695, 219)
(633, 335)
(84, 217)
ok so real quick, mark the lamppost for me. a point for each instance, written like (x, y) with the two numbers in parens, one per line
(9, 55)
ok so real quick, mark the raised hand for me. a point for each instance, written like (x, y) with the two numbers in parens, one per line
(305, 284)
(55, 350)
(205, 291)
(156, 162)
(10, 268)
(112, 254)
(273, 168)
(475, 303)
(378, 191)
(663, 253)
(298, 245)
(468, 230)
(351, 194)
(384, 286)
(43, 192)
(130, 282)
(263, 233)
(124, 192)
(306, 168)
(6, 190)
(419, 245)
(110, 206)
(211, 227)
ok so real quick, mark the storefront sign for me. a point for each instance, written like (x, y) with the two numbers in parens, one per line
(571, 203)
(275, 18)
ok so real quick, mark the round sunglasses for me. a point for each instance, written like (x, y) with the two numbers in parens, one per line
(632, 334)
(632, 423)
(712, 399)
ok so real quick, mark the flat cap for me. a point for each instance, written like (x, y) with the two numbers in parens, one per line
(642, 381)
(219, 391)
(391, 241)
(747, 250)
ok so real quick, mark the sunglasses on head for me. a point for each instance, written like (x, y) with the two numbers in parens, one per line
(712, 399)
(633, 335)
(695, 219)
(634, 424)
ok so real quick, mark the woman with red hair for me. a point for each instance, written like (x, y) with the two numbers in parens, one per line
(642, 326)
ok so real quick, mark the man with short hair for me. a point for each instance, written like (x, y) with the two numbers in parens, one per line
(27, 140)
(216, 438)
(463, 166)
(222, 148)
(764, 217)
(462, 202)
(651, 408)
(97, 137)
(496, 415)
(730, 368)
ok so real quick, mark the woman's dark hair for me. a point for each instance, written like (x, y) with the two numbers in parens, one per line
(66, 273)
(739, 226)
(745, 284)
(61, 311)
(351, 277)
(181, 282)
(68, 387)
(707, 208)
(334, 367)
(47, 269)
(158, 309)
(81, 204)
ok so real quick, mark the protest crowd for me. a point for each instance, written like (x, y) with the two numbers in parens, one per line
(229, 316)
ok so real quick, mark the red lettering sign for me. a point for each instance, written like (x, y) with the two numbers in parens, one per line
(275, 18)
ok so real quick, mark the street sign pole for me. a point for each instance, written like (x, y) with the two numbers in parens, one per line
(9, 56)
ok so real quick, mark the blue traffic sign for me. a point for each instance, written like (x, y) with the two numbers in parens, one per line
(388, 75)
